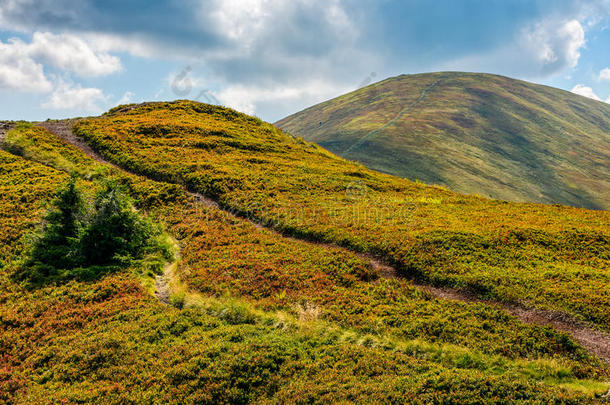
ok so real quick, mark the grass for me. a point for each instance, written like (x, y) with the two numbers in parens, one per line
(129, 349)
(475, 133)
(262, 318)
(35, 143)
(551, 257)
(24, 188)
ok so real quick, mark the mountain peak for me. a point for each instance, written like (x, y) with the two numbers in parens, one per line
(472, 132)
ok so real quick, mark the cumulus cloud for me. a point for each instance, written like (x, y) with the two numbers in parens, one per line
(68, 96)
(238, 44)
(278, 41)
(18, 71)
(71, 53)
(555, 45)
(593, 12)
(264, 54)
(604, 74)
(247, 98)
(22, 64)
(239, 20)
(126, 99)
(219, 29)
(585, 91)
(22, 15)
(541, 49)
(251, 22)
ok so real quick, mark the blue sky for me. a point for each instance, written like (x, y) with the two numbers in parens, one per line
(271, 58)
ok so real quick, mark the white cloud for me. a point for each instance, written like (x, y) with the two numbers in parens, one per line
(543, 49)
(126, 99)
(233, 44)
(135, 45)
(279, 56)
(71, 53)
(22, 64)
(22, 15)
(585, 91)
(18, 71)
(248, 98)
(241, 20)
(593, 12)
(67, 96)
(604, 74)
(247, 22)
(556, 44)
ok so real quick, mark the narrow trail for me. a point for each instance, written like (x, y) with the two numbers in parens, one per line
(595, 341)
(395, 119)
(63, 130)
(5, 126)
(162, 288)
(165, 281)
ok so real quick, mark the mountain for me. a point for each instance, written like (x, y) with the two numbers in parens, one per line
(474, 133)
(280, 273)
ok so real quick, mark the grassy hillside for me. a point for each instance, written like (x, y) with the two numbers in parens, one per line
(551, 257)
(474, 133)
(260, 317)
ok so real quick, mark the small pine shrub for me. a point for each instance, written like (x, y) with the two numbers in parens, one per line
(116, 234)
(87, 241)
(58, 245)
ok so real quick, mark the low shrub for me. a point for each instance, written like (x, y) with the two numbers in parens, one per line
(85, 241)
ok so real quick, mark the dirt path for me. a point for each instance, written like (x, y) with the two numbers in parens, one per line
(5, 126)
(162, 287)
(594, 341)
(395, 119)
(63, 129)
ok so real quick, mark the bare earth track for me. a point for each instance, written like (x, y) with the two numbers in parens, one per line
(5, 126)
(162, 290)
(63, 129)
(395, 119)
(595, 341)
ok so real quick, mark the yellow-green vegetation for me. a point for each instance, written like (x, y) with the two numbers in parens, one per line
(552, 257)
(25, 189)
(35, 143)
(86, 238)
(257, 316)
(475, 133)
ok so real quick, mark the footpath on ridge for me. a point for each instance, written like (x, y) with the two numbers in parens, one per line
(595, 341)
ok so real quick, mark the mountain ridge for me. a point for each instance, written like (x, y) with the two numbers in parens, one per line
(475, 133)
(593, 340)
(296, 274)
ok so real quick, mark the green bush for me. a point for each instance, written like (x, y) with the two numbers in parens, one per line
(86, 241)
(116, 233)
(58, 246)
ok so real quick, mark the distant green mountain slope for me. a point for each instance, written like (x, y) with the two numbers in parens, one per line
(475, 133)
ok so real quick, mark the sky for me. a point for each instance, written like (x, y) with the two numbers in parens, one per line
(272, 58)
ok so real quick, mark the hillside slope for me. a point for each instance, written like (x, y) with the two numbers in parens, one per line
(265, 316)
(551, 257)
(474, 133)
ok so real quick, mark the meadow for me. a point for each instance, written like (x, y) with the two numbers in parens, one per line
(549, 257)
(256, 316)
(471, 132)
